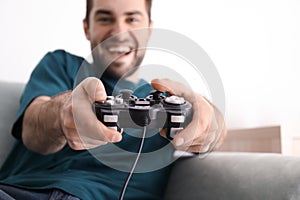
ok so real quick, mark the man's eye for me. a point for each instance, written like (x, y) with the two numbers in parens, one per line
(132, 20)
(104, 19)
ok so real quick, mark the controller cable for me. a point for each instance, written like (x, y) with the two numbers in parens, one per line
(134, 164)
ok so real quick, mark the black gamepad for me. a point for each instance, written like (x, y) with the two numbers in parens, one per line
(172, 113)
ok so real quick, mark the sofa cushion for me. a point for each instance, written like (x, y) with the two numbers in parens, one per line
(235, 176)
(9, 103)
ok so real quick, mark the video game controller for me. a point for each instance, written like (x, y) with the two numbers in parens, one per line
(172, 113)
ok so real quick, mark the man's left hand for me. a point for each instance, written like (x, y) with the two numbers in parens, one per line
(207, 129)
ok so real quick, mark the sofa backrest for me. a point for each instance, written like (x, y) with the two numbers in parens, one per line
(9, 104)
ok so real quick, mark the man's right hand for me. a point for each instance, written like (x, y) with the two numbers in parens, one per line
(80, 125)
(50, 123)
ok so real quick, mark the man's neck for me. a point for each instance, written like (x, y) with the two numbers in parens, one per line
(134, 77)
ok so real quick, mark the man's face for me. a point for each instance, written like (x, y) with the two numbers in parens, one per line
(114, 22)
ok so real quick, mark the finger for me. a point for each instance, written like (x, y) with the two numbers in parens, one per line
(73, 139)
(193, 132)
(79, 142)
(88, 125)
(206, 142)
(182, 140)
(173, 88)
(93, 88)
(88, 135)
(203, 121)
(194, 146)
(76, 143)
(192, 136)
(199, 149)
(111, 135)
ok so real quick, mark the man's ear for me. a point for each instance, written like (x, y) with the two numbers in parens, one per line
(151, 23)
(86, 29)
(150, 27)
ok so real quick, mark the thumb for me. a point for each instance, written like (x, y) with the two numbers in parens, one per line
(93, 88)
(173, 88)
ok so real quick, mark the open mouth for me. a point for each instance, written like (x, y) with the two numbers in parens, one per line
(125, 50)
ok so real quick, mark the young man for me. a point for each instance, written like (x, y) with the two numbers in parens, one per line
(62, 146)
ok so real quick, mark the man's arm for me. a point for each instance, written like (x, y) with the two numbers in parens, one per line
(50, 123)
(42, 130)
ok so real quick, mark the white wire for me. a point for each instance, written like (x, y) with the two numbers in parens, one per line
(134, 164)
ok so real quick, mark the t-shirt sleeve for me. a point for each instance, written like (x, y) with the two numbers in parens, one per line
(50, 77)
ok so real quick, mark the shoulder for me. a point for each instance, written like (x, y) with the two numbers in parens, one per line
(63, 55)
(61, 61)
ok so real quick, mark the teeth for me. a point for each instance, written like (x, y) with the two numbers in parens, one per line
(120, 49)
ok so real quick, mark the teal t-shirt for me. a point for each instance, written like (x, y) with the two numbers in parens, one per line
(99, 173)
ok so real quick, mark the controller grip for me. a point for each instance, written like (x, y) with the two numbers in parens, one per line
(176, 122)
(108, 117)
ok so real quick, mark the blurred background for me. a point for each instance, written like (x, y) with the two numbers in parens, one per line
(255, 46)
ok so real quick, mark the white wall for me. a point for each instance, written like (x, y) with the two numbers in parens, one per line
(29, 29)
(255, 46)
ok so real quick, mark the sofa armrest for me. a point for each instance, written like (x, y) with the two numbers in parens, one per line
(235, 176)
(9, 104)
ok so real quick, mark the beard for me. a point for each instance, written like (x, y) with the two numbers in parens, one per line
(116, 65)
(118, 70)
(120, 56)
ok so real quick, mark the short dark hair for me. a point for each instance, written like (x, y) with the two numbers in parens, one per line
(89, 6)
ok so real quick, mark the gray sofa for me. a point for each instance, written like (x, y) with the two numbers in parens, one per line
(217, 176)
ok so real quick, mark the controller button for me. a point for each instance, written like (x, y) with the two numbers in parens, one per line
(175, 100)
(110, 98)
(177, 118)
(142, 102)
(126, 94)
(119, 100)
(110, 118)
(156, 95)
(142, 107)
(113, 127)
(110, 102)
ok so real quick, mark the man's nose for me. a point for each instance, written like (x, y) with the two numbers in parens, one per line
(120, 30)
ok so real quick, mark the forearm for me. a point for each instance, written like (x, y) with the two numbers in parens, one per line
(41, 129)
